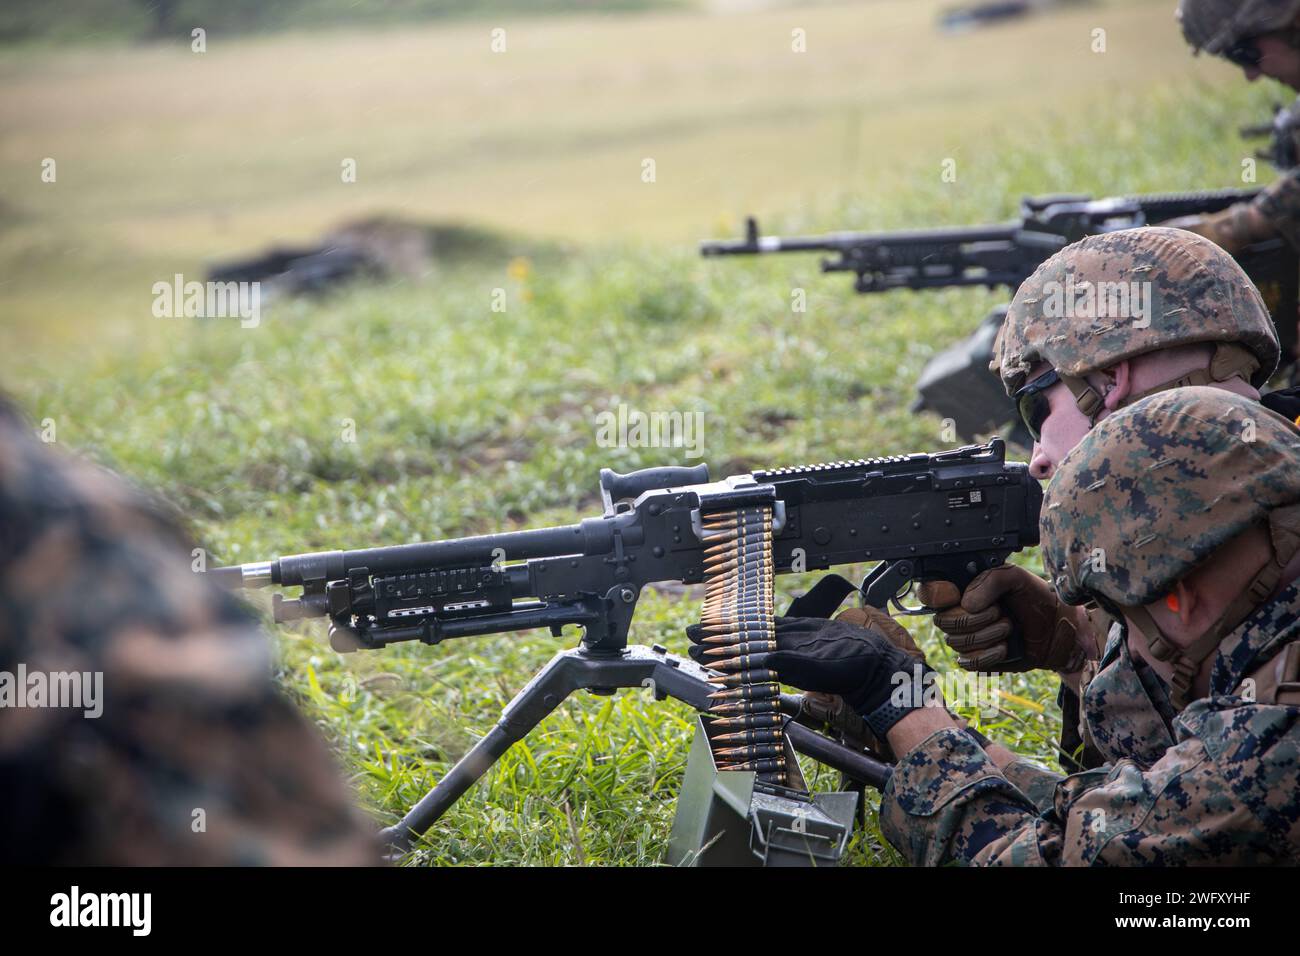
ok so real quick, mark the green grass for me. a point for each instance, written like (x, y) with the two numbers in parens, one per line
(467, 420)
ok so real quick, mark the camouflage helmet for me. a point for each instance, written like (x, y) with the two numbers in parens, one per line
(1161, 485)
(1215, 25)
(1155, 490)
(1122, 294)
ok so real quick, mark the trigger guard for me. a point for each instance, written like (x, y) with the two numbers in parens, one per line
(909, 611)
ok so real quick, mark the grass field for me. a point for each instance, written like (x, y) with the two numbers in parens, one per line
(468, 420)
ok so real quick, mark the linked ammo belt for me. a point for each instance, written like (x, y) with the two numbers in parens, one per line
(745, 716)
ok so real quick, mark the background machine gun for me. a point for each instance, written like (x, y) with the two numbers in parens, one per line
(1282, 151)
(919, 517)
(956, 383)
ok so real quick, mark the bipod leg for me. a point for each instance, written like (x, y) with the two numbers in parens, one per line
(566, 672)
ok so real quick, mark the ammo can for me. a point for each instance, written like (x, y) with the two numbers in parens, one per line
(724, 820)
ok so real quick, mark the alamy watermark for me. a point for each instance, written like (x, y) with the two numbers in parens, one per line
(208, 300)
(633, 428)
(1098, 300)
(75, 908)
(78, 690)
(974, 689)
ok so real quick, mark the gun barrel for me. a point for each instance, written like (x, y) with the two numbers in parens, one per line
(257, 575)
(849, 242)
(757, 245)
(592, 536)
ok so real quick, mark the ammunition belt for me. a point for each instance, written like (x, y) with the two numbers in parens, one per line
(745, 725)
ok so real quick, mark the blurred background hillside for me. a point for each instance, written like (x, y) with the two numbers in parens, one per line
(465, 419)
(167, 158)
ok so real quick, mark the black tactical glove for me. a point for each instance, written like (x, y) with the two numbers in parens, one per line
(836, 657)
(832, 710)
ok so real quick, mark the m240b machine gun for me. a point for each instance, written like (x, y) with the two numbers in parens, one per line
(1282, 150)
(957, 384)
(949, 516)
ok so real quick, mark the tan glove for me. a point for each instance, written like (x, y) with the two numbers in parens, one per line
(1231, 229)
(831, 709)
(1003, 601)
(878, 620)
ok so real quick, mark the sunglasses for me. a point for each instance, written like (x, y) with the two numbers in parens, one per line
(1244, 53)
(1031, 401)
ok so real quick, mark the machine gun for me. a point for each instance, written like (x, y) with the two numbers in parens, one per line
(948, 516)
(956, 384)
(1281, 151)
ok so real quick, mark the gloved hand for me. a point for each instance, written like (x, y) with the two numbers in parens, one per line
(1001, 601)
(874, 619)
(835, 657)
(832, 710)
(1231, 229)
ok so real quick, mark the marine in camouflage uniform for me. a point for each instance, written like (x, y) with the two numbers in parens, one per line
(1232, 29)
(1263, 38)
(1161, 488)
(196, 757)
(1199, 296)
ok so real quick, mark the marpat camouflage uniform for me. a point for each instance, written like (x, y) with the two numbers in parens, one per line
(1227, 792)
(1163, 484)
(1126, 707)
(193, 734)
(1279, 202)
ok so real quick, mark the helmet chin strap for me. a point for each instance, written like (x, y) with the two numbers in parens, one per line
(1284, 544)
(1230, 361)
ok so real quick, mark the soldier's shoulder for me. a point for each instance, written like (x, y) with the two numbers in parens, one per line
(1255, 750)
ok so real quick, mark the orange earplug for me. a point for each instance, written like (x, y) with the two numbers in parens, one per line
(1171, 602)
